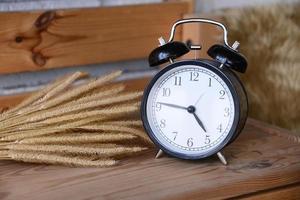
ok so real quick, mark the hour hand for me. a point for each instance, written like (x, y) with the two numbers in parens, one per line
(173, 105)
(199, 121)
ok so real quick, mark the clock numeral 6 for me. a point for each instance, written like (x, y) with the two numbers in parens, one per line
(162, 123)
(207, 139)
(189, 142)
(166, 92)
(177, 81)
(194, 76)
(222, 94)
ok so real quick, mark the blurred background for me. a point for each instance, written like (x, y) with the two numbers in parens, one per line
(43, 39)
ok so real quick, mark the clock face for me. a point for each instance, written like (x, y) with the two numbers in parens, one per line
(190, 111)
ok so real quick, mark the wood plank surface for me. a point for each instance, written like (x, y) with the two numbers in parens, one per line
(49, 39)
(290, 193)
(262, 159)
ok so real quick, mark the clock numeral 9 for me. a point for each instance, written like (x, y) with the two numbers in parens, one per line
(177, 80)
(207, 139)
(166, 92)
(162, 123)
(189, 142)
(222, 94)
(194, 76)
(158, 106)
(219, 128)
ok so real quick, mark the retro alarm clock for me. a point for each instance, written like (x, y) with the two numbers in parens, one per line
(192, 109)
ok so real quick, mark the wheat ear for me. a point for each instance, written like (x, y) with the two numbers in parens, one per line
(108, 113)
(106, 92)
(65, 83)
(117, 129)
(110, 91)
(47, 92)
(78, 138)
(125, 123)
(82, 106)
(77, 150)
(81, 89)
(57, 159)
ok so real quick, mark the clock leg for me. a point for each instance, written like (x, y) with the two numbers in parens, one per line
(159, 154)
(222, 158)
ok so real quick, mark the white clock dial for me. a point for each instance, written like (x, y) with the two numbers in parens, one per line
(190, 110)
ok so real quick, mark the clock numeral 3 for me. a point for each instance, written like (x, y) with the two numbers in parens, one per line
(219, 128)
(189, 142)
(194, 76)
(226, 114)
(175, 134)
(222, 94)
(162, 123)
(177, 80)
(166, 92)
(207, 139)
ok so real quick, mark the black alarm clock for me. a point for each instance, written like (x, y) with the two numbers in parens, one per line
(192, 109)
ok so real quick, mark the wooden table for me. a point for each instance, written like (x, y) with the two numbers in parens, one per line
(263, 163)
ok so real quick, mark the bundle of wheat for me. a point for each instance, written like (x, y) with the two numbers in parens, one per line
(91, 124)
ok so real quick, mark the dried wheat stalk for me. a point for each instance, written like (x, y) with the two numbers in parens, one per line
(92, 124)
(78, 138)
(56, 159)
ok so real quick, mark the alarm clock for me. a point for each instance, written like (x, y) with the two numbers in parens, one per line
(192, 109)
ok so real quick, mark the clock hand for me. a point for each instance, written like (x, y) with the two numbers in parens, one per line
(190, 109)
(173, 105)
(199, 121)
(199, 99)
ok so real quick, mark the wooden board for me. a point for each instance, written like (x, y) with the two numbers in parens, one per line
(265, 160)
(39, 40)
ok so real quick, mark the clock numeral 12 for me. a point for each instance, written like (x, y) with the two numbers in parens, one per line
(177, 80)
(209, 82)
(194, 76)
(166, 92)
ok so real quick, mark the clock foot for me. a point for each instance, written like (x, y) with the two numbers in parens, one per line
(159, 154)
(222, 158)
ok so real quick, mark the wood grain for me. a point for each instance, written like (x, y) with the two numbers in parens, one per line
(40, 40)
(259, 162)
(290, 193)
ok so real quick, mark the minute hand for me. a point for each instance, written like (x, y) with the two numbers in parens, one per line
(173, 105)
